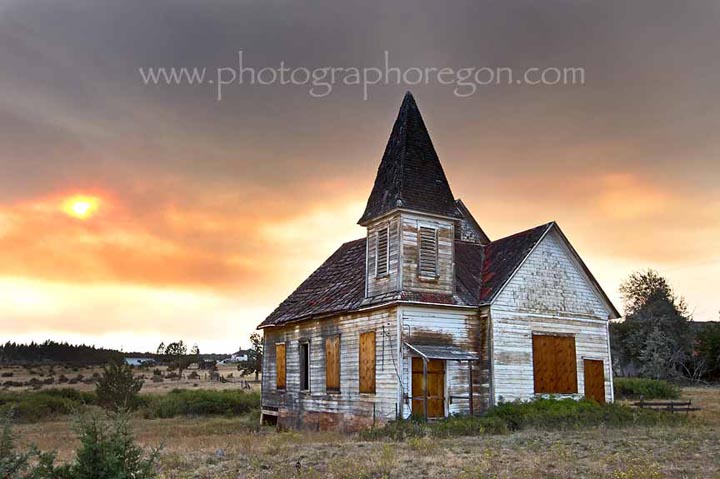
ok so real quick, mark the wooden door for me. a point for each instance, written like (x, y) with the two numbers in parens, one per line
(435, 387)
(594, 380)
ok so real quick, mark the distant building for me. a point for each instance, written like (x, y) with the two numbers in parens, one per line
(240, 356)
(427, 316)
(237, 357)
(139, 361)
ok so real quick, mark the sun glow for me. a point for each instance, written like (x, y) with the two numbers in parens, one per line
(80, 206)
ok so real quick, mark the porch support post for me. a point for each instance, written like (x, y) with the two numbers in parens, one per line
(425, 387)
(470, 391)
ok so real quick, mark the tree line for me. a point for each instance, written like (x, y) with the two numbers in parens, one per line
(52, 351)
(658, 338)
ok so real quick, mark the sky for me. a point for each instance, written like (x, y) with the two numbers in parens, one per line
(134, 213)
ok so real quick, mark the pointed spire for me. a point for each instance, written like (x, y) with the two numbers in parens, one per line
(410, 175)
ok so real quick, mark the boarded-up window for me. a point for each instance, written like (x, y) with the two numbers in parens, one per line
(427, 251)
(305, 366)
(554, 364)
(381, 259)
(332, 363)
(280, 365)
(367, 362)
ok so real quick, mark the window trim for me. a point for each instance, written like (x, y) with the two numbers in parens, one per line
(386, 230)
(420, 272)
(306, 370)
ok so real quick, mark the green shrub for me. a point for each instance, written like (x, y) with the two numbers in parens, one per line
(37, 405)
(636, 388)
(200, 402)
(539, 414)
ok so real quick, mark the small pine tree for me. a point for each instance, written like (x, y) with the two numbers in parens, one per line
(118, 388)
(108, 450)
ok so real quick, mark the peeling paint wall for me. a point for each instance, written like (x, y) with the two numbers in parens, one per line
(550, 282)
(411, 281)
(447, 326)
(318, 408)
(549, 294)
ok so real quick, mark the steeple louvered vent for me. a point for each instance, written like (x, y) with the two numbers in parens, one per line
(428, 251)
(382, 252)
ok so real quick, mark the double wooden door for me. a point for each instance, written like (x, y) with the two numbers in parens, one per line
(435, 388)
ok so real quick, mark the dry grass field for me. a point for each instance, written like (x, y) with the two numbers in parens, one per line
(225, 448)
(18, 378)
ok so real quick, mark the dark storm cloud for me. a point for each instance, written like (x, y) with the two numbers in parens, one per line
(75, 115)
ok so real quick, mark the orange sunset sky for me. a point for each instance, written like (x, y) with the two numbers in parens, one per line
(132, 214)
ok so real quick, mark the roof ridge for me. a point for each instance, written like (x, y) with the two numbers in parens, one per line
(546, 225)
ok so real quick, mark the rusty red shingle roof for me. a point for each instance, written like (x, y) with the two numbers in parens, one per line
(338, 286)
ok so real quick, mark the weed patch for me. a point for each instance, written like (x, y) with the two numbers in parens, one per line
(200, 402)
(540, 414)
(636, 388)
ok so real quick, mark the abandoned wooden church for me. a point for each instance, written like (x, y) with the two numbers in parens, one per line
(427, 316)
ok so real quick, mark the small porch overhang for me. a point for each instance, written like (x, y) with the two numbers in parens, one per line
(447, 352)
(444, 352)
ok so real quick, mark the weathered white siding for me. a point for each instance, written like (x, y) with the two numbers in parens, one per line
(349, 402)
(447, 326)
(549, 294)
(411, 281)
(550, 282)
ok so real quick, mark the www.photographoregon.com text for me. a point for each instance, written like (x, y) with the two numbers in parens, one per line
(321, 81)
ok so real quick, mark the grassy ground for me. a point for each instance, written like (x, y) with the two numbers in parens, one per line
(225, 448)
(81, 378)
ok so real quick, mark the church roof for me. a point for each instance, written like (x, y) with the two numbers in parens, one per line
(410, 175)
(338, 286)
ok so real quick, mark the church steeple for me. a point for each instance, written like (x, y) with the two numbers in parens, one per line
(410, 175)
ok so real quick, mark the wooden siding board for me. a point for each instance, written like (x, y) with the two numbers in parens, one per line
(349, 401)
(444, 283)
(550, 281)
(460, 328)
(547, 295)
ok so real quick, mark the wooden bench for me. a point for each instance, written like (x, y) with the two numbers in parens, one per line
(671, 406)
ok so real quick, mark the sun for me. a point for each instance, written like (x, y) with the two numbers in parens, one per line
(81, 206)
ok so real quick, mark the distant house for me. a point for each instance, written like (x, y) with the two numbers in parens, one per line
(139, 361)
(237, 357)
(240, 356)
(427, 316)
